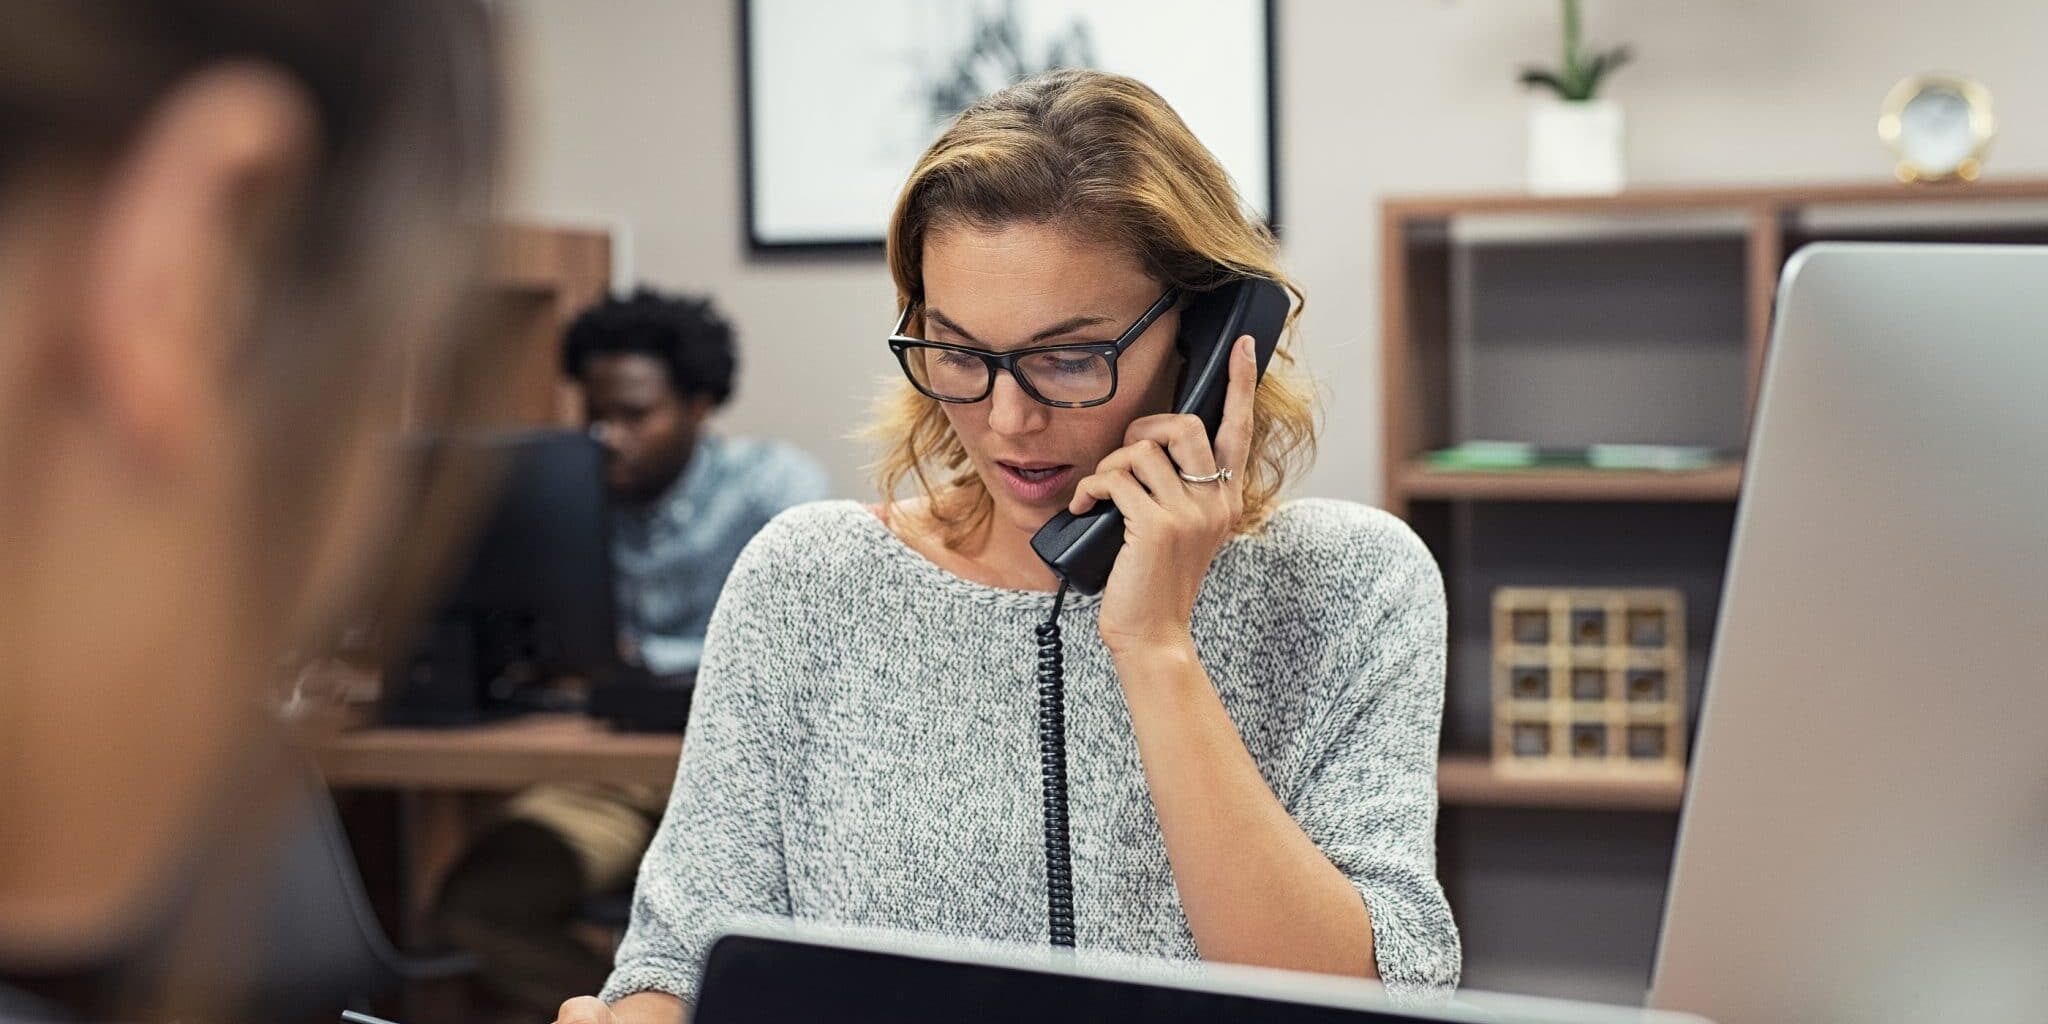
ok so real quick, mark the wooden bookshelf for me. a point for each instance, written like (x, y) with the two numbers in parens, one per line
(1771, 197)
(536, 280)
(541, 278)
(1769, 224)
(1641, 318)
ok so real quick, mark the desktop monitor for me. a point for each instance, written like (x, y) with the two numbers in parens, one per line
(1865, 834)
(530, 598)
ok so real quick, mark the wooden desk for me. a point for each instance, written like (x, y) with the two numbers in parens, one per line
(437, 772)
(498, 757)
(507, 756)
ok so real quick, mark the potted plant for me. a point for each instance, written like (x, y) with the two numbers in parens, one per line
(1575, 138)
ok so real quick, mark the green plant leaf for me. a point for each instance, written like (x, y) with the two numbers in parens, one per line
(1602, 65)
(1537, 77)
(1571, 36)
(1581, 81)
(1580, 71)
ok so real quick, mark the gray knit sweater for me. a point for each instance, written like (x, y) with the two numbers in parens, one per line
(863, 748)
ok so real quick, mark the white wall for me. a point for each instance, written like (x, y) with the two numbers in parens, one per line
(630, 116)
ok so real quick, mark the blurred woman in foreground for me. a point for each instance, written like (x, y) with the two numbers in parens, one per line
(233, 234)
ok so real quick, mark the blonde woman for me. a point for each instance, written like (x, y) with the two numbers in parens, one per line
(1252, 703)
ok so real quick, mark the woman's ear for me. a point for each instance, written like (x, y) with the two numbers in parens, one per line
(171, 251)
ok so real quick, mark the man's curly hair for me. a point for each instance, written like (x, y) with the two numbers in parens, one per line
(684, 333)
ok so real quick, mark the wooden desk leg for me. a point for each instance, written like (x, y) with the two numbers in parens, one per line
(434, 826)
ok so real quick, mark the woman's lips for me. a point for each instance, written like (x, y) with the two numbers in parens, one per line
(1034, 483)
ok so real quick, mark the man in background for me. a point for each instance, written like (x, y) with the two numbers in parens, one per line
(652, 368)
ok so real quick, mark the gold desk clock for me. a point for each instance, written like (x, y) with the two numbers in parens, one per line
(1939, 126)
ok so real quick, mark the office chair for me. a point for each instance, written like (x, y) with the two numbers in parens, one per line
(323, 948)
(310, 947)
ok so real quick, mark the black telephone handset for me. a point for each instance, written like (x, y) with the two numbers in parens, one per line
(1082, 549)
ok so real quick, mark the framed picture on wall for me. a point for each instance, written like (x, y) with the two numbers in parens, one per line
(839, 99)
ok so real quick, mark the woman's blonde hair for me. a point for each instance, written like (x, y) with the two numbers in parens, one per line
(1104, 156)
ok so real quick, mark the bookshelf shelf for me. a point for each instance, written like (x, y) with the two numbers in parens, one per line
(1471, 780)
(1419, 482)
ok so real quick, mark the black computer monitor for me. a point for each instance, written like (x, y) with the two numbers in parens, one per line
(765, 973)
(529, 599)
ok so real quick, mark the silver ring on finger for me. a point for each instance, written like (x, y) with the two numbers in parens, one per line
(1220, 476)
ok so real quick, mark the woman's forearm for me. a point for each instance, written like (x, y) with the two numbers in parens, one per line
(1255, 887)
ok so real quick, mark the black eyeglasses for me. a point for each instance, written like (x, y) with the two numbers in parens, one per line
(1065, 376)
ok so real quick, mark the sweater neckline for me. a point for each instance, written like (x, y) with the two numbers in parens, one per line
(946, 580)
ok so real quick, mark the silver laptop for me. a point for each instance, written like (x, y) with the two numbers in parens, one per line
(1866, 831)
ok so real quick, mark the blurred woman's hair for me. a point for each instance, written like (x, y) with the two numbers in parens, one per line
(351, 295)
(1106, 158)
(358, 285)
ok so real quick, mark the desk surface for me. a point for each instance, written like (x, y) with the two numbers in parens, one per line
(500, 756)
(513, 754)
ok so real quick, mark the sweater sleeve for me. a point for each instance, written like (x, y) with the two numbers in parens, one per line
(1368, 798)
(717, 856)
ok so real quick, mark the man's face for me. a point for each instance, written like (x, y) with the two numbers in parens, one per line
(648, 430)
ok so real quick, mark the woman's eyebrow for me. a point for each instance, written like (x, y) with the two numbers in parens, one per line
(1070, 324)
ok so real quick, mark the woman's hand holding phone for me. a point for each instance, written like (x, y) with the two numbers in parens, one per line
(1172, 528)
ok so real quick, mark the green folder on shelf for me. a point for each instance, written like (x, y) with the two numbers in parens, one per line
(1495, 456)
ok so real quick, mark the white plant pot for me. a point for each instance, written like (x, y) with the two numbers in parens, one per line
(1575, 147)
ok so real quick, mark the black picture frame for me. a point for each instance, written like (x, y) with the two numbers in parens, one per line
(763, 244)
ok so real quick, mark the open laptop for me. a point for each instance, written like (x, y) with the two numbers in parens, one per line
(774, 973)
(1866, 831)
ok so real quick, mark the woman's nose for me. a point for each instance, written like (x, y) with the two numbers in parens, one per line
(1011, 411)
